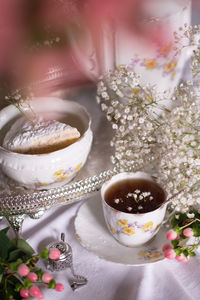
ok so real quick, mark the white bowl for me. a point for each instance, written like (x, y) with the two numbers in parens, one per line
(44, 171)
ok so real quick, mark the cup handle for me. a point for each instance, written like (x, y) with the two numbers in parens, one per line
(166, 219)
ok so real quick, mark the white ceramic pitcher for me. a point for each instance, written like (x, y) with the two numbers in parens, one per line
(157, 65)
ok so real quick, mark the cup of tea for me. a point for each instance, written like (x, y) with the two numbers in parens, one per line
(134, 207)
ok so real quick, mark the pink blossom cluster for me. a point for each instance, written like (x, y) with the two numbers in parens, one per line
(34, 291)
(168, 248)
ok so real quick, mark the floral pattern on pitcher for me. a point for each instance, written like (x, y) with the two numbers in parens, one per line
(164, 60)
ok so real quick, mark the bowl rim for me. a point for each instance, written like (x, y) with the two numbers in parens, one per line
(11, 108)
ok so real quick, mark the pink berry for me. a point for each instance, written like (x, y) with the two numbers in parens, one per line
(54, 253)
(24, 293)
(59, 287)
(32, 277)
(181, 258)
(46, 277)
(171, 235)
(170, 254)
(23, 270)
(188, 232)
(34, 291)
(40, 296)
(166, 247)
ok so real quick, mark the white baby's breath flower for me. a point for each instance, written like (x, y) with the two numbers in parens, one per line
(190, 216)
(119, 93)
(104, 95)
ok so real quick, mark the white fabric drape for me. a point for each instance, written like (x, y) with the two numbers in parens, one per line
(109, 281)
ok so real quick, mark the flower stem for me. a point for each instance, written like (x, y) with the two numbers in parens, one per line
(188, 224)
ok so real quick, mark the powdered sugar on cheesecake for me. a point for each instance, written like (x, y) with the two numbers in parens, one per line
(39, 136)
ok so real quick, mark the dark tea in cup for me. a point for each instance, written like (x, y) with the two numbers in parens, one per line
(135, 196)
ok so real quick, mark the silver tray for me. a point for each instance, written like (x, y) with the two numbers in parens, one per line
(16, 201)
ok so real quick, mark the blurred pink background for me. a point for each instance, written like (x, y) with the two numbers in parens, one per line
(33, 39)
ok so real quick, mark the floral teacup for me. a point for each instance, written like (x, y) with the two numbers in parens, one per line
(132, 229)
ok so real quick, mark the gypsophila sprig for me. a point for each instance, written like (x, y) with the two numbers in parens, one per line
(186, 36)
(22, 103)
(19, 275)
(195, 60)
(179, 163)
(130, 108)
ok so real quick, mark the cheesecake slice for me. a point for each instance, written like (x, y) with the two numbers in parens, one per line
(39, 136)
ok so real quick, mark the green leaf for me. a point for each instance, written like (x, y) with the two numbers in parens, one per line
(196, 229)
(14, 265)
(44, 254)
(39, 274)
(192, 253)
(52, 284)
(27, 284)
(11, 285)
(25, 247)
(14, 255)
(182, 218)
(5, 230)
(178, 251)
(174, 221)
(175, 243)
(185, 252)
(2, 269)
(18, 286)
(178, 230)
(5, 244)
(182, 236)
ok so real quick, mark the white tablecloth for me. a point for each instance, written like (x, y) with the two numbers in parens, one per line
(109, 281)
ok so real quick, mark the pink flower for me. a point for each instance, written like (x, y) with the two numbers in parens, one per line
(54, 253)
(59, 287)
(188, 232)
(34, 291)
(171, 235)
(32, 277)
(170, 254)
(46, 277)
(166, 247)
(24, 293)
(23, 270)
(181, 258)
